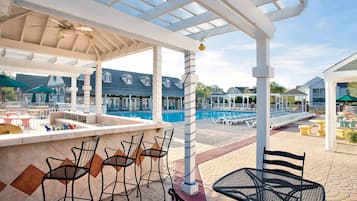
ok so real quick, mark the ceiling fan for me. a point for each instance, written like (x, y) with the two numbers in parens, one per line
(67, 29)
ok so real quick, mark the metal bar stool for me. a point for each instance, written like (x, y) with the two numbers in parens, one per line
(122, 159)
(159, 150)
(71, 170)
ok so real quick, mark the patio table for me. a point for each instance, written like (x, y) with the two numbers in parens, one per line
(254, 184)
(321, 125)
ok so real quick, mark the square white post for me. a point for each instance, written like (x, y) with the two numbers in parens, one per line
(74, 90)
(157, 85)
(86, 93)
(190, 185)
(330, 114)
(98, 88)
(263, 72)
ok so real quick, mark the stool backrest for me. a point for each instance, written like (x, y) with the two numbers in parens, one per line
(166, 141)
(85, 153)
(133, 150)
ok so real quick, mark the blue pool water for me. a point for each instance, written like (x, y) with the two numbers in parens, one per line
(179, 116)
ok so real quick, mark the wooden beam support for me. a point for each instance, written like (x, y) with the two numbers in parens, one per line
(134, 48)
(16, 16)
(23, 30)
(44, 31)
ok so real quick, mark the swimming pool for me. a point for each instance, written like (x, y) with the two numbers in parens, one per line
(179, 115)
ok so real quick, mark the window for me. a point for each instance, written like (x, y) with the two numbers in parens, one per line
(145, 80)
(178, 85)
(81, 77)
(127, 79)
(318, 95)
(166, 83)
(107, 77)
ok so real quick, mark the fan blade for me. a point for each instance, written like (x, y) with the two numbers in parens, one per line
(56, 22)
(83, 28)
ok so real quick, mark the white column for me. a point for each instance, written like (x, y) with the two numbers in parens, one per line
(263, 72)
(302, 104)
(330, 115)
(130, 103)
(276, 103)
(86, 93)
(181, 103)
(98, 88)
(167, 103)
(190, 185)
(157, 86)
(150, 103)
(234, 102)
(243, 98)
(74, 90)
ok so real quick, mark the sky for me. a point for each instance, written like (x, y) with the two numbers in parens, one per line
(302, 47)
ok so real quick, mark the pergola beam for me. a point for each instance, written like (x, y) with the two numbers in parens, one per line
(230, 16)
(195, 20)
(213, 32)
(254, 15)
(262, 2)
(287, 12)
(81, 11)
(163, 8)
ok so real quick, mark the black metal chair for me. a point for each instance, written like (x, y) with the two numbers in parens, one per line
(159, 150)
(71, 170)
(284, 163)
(174, 195)
(123, 158)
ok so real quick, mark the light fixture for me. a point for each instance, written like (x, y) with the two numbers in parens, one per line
(201, 47)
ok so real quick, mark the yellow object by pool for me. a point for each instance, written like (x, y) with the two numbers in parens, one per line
(305, 129)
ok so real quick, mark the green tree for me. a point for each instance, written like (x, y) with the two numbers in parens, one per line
(352, 88)
(277, 88)
(203, 91)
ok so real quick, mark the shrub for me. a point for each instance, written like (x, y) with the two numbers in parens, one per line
(353, 136)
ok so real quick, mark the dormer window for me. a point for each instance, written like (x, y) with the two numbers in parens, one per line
(145, 80)
(81, 77)
(178, 85)
(127, 79)
(166, 83)
(107, 77)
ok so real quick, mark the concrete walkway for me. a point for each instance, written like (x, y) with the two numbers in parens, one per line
(224, 148)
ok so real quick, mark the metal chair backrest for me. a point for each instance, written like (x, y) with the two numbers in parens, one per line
(284, 162)
(133, 150)
(166, 141)
(84, 155)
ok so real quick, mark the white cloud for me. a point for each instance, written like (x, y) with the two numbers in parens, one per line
(214, 69)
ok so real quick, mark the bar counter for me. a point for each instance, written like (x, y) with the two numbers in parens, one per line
(22, 156)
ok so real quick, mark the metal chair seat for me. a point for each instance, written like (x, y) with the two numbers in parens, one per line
(156, 153)
(65, 172)
(120, 161)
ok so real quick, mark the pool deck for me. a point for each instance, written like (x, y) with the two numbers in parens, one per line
(234, 146)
